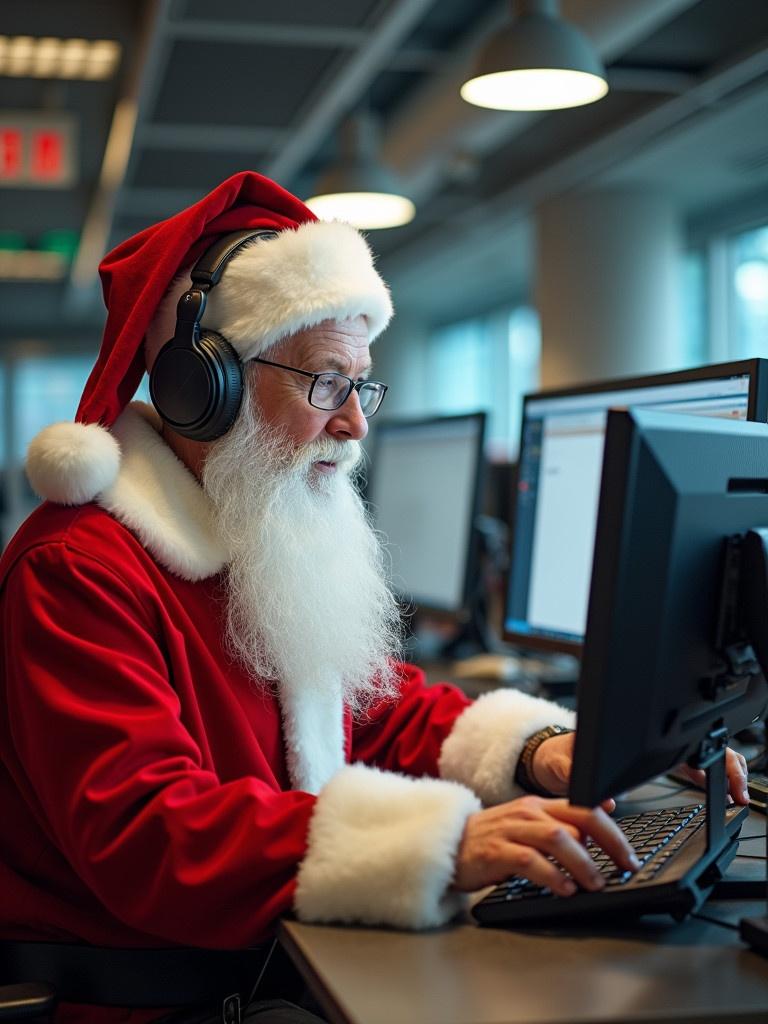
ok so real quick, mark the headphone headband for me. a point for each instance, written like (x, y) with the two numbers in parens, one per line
(209, 268)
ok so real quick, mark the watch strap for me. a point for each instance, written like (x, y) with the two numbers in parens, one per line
(524, 771)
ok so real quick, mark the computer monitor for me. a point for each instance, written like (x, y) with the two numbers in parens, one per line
(424, 491)
(558, 481)
(678, 598)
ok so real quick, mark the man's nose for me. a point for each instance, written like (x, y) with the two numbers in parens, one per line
(347, 422)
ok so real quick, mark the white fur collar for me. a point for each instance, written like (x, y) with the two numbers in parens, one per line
(159, 500)
(313, 727)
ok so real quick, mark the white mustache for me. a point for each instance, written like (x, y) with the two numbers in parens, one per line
(345, 454)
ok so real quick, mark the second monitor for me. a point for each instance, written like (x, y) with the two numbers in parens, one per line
(561, 455)
(424, 490)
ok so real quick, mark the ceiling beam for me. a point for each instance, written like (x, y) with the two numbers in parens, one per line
(157, 202)
(269, 34)
(209, 137)
(155, 70)
(393, 22)
(630, 79)
(101, 209)
(287, 34)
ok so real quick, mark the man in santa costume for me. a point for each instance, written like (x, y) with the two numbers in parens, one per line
(206, 726)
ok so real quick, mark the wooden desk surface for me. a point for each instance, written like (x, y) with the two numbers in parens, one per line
(653, 972)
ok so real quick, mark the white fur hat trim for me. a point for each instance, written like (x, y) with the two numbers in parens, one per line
(70, 463)
(273, 288)
(276, 287)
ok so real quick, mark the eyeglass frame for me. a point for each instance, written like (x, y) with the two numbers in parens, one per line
(354, 385)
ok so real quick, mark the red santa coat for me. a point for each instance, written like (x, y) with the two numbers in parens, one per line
(153, 789)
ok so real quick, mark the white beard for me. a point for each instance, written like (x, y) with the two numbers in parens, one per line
(308, 604)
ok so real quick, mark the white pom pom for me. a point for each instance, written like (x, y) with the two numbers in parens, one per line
(70, 463)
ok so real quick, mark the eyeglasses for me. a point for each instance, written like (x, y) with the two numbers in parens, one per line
(331, 390)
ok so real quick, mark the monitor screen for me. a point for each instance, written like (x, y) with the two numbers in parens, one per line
(424, 491)
(561, 455)
(666, 660)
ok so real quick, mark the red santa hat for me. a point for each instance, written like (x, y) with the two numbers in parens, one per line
(312, 271)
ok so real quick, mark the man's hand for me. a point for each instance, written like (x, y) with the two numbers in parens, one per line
(551, 768)
(516, 838)
(552, 762)
(735, 770)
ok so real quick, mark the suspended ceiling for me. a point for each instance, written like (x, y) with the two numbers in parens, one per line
(246, 84)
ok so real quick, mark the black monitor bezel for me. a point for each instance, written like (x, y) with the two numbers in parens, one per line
(627, 636)
(757, 411)
(472, 547)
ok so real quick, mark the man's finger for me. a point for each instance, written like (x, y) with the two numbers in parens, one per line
(527, 862)
(737, 778)
(605, 832)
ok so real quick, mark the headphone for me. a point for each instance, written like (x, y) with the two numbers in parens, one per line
(196, 383)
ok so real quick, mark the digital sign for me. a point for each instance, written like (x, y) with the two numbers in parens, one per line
(36, 150)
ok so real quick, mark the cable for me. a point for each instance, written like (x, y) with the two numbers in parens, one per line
(714, 920)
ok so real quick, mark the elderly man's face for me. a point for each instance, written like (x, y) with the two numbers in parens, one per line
(281, 396)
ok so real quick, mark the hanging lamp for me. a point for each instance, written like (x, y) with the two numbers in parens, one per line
(537, 62)
(359, 189)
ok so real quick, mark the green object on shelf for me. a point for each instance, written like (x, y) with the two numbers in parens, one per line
(12, 241)
(60, 240)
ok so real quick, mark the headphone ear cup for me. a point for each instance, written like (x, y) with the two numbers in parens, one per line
(197, 389)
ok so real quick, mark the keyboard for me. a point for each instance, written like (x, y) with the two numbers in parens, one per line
(676, 875)
(757, 786)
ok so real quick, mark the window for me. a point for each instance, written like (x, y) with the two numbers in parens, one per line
(733, 285)
(47, 389)
(36, 389)
(44, 390)
(694, 308)
(486, 363)
(750, 294)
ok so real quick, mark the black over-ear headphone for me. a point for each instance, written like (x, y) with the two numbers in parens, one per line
(196, 383)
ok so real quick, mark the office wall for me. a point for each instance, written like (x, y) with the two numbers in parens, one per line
(399, 358)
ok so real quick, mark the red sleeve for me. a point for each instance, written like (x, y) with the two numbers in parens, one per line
(406, 734)
(98, 747)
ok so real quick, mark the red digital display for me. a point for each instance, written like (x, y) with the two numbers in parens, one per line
(47, 152)
(35, 151)
(11, 148)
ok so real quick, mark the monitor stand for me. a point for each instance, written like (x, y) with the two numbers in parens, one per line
(722, 825)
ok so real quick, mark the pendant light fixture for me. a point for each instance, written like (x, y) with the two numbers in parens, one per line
(537, 62)
(359, 189)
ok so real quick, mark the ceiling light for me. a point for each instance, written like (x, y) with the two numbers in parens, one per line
(49, 57)
(537, 62)
(359, 189)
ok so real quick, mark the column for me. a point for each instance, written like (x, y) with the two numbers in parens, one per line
(608, 282)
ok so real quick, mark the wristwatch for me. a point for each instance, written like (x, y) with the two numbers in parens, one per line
(524, 773)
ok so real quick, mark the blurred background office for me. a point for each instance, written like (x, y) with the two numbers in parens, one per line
(537, 247)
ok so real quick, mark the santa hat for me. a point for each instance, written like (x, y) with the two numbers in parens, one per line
(310, 272)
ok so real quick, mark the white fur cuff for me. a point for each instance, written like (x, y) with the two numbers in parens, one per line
(487, 739)
(382, 849)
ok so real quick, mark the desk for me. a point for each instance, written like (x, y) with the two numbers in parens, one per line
(656, 972)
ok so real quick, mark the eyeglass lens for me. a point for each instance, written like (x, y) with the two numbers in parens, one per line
(331, 390)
